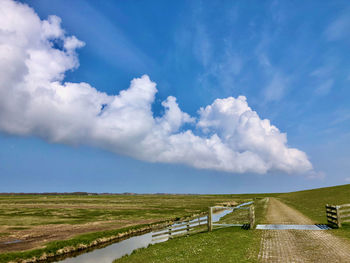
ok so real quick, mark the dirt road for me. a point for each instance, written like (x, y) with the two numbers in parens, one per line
(299, 245)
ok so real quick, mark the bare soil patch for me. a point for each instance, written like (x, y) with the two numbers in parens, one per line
(299, 245)
(37, 236)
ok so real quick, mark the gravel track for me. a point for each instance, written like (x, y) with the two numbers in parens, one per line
(299, 245)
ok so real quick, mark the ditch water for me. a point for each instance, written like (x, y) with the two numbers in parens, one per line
(126, 247)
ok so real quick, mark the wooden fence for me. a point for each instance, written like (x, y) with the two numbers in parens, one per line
(192, 225)
(338, 214)
(185, 227)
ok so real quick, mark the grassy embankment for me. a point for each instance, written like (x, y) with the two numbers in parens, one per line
(79, 218)
(312, 204)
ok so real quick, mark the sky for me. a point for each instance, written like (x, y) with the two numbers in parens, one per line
(174, 97)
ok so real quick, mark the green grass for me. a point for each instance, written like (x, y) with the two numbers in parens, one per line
(22, 212)
(223, 245)
(241, 216)
(260, 205)
(34, 210)
(235, 244)
(312, 202)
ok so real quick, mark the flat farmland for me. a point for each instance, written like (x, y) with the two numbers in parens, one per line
(38, 219)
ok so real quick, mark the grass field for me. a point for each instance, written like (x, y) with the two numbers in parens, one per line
(65, 220)
(41, 210)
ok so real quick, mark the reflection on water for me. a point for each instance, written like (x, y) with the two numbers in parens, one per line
(127, 246)
(116, 250)
(12, 242)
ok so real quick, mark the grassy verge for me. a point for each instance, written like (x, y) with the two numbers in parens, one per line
(260, 209)
(240, 216)
(223, 245)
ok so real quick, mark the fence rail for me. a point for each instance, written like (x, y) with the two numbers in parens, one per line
(338, 214)
(185, 227)
(191, 225)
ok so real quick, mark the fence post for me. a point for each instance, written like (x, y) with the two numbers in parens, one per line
(170, 228)
(210, 225)
(338, 216)
(251, 217)
(188, 227)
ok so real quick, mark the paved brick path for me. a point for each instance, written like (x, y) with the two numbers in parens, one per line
(299, 245)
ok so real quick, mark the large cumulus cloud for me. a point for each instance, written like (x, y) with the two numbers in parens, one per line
(34, 100)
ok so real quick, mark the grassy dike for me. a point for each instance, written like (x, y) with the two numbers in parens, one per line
(312, 204)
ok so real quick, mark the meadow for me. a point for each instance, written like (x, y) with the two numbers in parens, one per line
(57, 221)
(48, 223)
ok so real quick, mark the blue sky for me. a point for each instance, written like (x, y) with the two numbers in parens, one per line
(291, 61)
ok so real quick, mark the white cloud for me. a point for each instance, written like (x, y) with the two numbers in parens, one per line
(347, 179)
(35, 100)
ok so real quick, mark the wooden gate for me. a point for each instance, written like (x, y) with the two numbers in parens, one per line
(338, 214)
